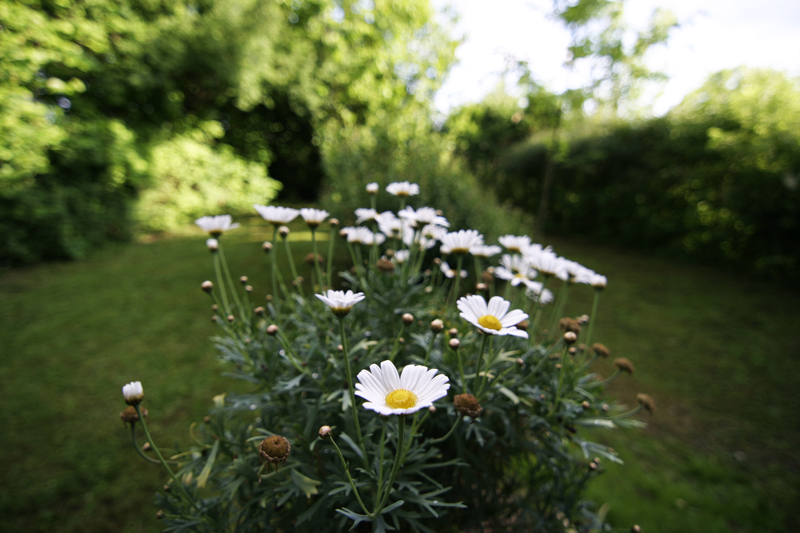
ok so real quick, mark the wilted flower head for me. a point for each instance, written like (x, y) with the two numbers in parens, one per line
(624, 364)
(467, 405)
(276, 215)
(403, 188)
(340, 302)
(460, 242)
(133, 392)
(388, 393)
(372, 188)
(274, 449)
(313, 217)
(601, 350)
(217, 225)
(493, 318)
(646, 401)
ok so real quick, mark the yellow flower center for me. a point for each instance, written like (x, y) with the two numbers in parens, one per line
(490, 322)
(401, 399)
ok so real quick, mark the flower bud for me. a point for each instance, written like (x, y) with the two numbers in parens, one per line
(273, 450)
(166, 488)
(133, 393)
(624, 365)
(454, 344)
(480, 287)
(437, 326)
(432, 409)
(372, 188)
(248, 288)
(207, 286)
(231, 318)
(467, 405)
(283, 231)
(333, 222)
(325, 432)
(585, 404)
(267, 247)
(260, 311)
(453, 332)
(570, 337)
(592, 466)
(573, 350)
(636, 529)
(520, 361)
(408, 319)
(243, 280)
(212, 244)
(159, 515)
(207, 420)
(647, 402)
(272, 329)
(583, 319)
(437, 261)
(146, 447)
(600, 350)
(215, 308)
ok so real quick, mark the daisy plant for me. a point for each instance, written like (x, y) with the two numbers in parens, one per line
(348, 418)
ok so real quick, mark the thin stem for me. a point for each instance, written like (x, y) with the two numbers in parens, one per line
(379, 492)
(396, 346)
(290, 352)
(316, 259)
(223, 292)
(396, 466)
(160, 457)
(447, 435)
(331, 238)
(592, 318)
(230, 280)
(139, 450)
(538, 313)
(564, 362)
(459, 263)
(274, 269)
(486, 370)
(461, 371)
(480, 360)
(295, 278)
(430, 347)
(350, 388)
(350, 478)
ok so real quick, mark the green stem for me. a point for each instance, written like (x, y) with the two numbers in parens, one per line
(351, 388)
(564, 361)
(461, 371)
(430, 347)
(395, 348)
(447, 435)
(230, 280)
(459, 262)
(486, 370)
(160, 457)
(331, 238)
(295, 277)
(592, 318)
(396, 466)
(274, 269)
(139, 450)
(316, 262)
(293, 358)
(379, 492)
(350, 478)
(538, 314)
(480, 360)
(223, 292)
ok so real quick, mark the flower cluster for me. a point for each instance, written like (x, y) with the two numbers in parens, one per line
(411, 383)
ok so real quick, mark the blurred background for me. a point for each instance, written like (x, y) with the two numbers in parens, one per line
(657, 143)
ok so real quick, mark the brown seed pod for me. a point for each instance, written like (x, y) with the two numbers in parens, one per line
(600, 350)
(129, 416)
(273, 450)
(467, 405)
(646, 401)
(624, 365)
(384, 265)
(569, 324)
(309, 259)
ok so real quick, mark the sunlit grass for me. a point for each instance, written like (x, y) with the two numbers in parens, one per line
(717, 352)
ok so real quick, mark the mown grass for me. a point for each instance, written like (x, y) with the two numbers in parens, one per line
(717, 352)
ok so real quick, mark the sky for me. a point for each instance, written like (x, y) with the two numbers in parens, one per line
(713, 35)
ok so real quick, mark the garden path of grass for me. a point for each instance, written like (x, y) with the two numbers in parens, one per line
(719, 353)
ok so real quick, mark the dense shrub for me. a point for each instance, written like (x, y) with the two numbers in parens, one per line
(715, 179)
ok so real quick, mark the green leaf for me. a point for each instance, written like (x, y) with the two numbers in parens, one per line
(305, 483)
(203, 477)
(511, 396)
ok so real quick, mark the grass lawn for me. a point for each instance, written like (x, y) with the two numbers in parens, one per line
(719, 353)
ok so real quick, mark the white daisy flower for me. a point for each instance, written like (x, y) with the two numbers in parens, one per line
(401, 256)
(390, 225)
(451, 273)
(422, 216)
(372, 188)
(493, 318)
(276, 215)
(426, 237)
(313, 217)
(514, 243)
(403, 188)
(459, 242)
(534, 291)
(362, 235)
(216, 226)
(598, 282)
(485, 251)
(365, 214)
(388, 393)
(133, 392)
(516, 269)
(550, 264)
(340, 302)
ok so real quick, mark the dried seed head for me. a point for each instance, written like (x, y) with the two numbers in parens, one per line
(129, 415)
(570, 337)
(454, 344)
(243, 280)
(260, 311)
(453, 332)
(487, 277)
(467, 405)
(309, 259)
(267, 247)
(523, 325)
(325, 432)
(600, 350)
(333, 222)
(272, 329)
(384, 265)
(274, 449)
(624, 364)
(645, 401)
(569, 324)
(207, 420)
(408, 319)
(207, 286)
(437, 326)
